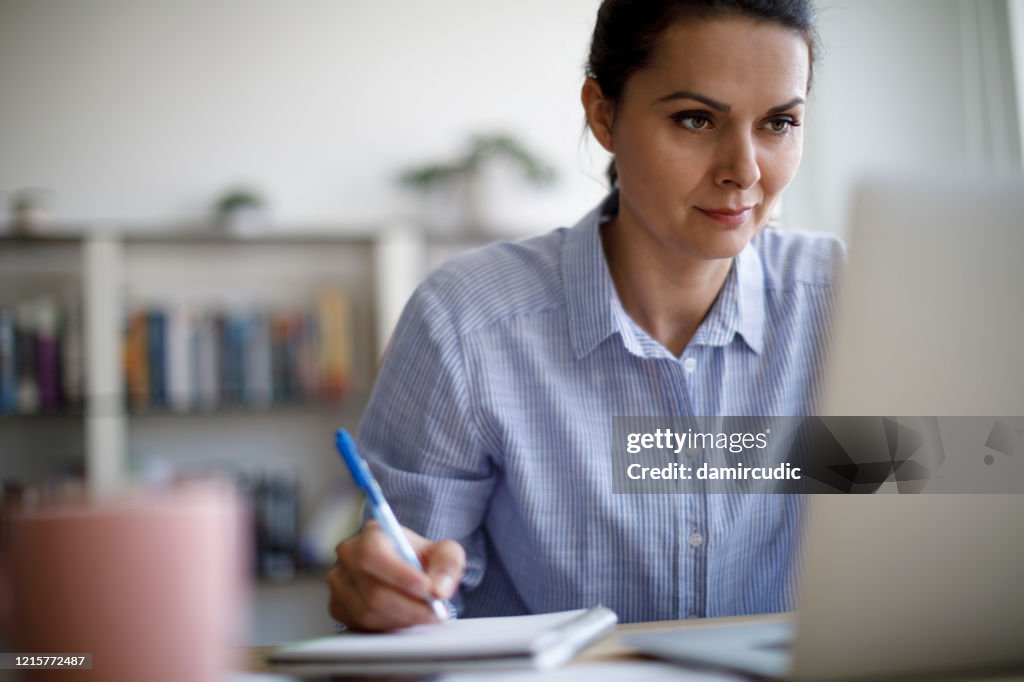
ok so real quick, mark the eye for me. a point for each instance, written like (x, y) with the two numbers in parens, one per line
(691, 120)
(781, 126)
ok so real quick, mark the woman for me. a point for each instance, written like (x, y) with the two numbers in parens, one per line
(490, 421)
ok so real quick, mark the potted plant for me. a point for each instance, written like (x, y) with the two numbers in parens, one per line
(242, 211)
(29, 216)
(460, 183)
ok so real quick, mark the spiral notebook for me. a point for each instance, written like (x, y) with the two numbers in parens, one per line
(539, 642)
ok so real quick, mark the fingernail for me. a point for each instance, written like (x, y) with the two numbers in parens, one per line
(445, 586)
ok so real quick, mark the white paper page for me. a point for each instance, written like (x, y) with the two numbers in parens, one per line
(476, 636)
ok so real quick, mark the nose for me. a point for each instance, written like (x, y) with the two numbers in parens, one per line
(737, 163)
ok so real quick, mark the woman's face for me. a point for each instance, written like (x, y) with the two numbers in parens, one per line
(707, 137)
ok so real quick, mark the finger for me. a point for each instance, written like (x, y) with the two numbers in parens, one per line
(388, 608)
(445, 562)
(420, 544)
(346, 603)
(374, 607)
(376, 555)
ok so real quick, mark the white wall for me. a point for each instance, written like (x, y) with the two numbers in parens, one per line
(144, 111)
(1017, 41)
(899, 87)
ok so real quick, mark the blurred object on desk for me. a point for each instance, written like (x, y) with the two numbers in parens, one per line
(151, 584)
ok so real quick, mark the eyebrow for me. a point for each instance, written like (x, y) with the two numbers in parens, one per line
(722, 106)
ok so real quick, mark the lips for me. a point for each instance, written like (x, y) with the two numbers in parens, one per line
(728, 216)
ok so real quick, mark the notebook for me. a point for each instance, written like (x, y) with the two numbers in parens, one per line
(539, 642)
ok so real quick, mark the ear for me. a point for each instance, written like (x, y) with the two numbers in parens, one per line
(599, 112)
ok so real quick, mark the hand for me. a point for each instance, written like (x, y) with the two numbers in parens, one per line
(373, 588)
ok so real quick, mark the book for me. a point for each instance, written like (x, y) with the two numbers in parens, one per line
(180, 389)
(231, 337)
(25, 346)
(156, 356)
(41, 362)
(185, 358)
(206, 363)
(259, 380)
(136, 365)
(47, 355)
(72, 354)
(334, 352)
(8, 363)
(538, 642)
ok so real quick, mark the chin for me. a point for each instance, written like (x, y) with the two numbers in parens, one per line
(725, 244)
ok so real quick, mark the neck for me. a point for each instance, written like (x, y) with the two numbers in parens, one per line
(666, 292)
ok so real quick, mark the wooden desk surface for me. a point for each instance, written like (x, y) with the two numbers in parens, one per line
(612, 650)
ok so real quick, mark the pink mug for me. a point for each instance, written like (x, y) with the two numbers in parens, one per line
(152, 585)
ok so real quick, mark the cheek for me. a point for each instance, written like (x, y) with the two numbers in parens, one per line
(779, 166)
(655, 154)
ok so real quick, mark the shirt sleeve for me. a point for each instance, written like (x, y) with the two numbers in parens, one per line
(420, 437)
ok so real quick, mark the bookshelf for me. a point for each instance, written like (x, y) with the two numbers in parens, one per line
(108, 273)
(103, 437)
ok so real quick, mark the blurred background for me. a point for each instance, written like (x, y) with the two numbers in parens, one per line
(211, 213)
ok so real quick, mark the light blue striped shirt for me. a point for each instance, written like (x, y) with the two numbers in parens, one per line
(490, 423)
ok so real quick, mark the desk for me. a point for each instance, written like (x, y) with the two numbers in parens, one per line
(612, 651)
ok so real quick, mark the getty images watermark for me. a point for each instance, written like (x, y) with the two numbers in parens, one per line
(765, 455)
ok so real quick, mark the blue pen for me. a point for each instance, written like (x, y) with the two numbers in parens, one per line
(381, 509)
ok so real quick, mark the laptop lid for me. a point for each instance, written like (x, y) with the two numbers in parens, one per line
(931, 323)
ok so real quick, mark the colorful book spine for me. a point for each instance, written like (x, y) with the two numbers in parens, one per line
(25, 343)
(72, 363)
(307, 356)
(224, 378)
(184, 358)
(292, 356)
(47, 355)
(156, 357)
(41, 363)
(234, 359)
(280, 333)
(136, 365)
(335, 350)
(179, 374)
(8, 363)
(259, 379)
(207, 363)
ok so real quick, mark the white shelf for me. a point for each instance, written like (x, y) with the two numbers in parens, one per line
(115, 270)
(102, 287)
(112, 270)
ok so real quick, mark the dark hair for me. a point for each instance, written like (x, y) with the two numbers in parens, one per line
(627, 30)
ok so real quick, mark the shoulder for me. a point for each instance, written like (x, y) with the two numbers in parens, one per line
(794, 258)
(498, 281)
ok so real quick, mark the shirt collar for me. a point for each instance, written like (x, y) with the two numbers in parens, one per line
(595, 311)
(590, 293)
(739, 308)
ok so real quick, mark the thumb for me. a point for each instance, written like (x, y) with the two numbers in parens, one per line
(444, 562)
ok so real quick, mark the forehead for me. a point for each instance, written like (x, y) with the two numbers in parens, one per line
(729, 57)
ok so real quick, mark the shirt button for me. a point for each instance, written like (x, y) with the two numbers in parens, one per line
(696, 539)
(689, 364)
(693, 453)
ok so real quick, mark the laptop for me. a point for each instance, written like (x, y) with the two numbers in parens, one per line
(930, 322)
